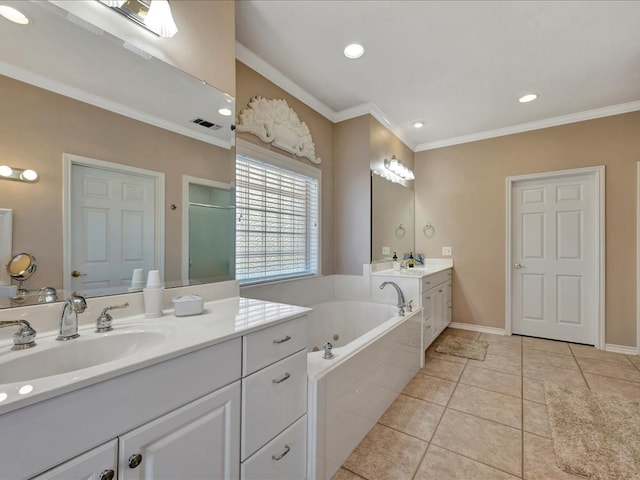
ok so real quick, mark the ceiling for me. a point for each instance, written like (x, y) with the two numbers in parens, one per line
(458, 66)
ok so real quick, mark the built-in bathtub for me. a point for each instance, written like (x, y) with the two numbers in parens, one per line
(376, 353)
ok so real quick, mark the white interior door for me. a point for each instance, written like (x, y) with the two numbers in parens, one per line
(113, 217)
(554, 257)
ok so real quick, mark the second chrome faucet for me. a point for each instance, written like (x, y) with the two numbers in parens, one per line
(402, 304)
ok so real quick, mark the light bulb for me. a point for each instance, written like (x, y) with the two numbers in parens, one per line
(354, 50)
(160, 20)
(5, 171)
(29, 175)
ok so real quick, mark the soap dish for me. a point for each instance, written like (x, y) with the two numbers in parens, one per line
(185, 305)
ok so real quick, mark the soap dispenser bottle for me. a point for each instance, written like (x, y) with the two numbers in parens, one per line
(396, 264)
(411, 260)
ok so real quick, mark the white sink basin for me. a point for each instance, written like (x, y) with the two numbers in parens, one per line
(77, 354)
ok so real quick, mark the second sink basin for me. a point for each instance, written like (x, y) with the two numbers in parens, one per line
(77, 354)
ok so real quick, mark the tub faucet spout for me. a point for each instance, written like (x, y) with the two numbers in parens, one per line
(402, 304)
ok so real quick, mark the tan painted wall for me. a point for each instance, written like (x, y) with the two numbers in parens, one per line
(37, 127)
(205, 43)
(352, 195)
(251, 84)
(361, 144)
(461, 191)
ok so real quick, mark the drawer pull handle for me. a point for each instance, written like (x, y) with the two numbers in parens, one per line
(440, 290)
(277, 458)
(280, 380)
(427, 283)
(427, 327)
(428, 298)
(282, 340)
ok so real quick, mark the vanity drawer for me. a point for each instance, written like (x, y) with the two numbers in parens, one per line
(271, 400)
(283, 458)
(267, 346)
(434, 279)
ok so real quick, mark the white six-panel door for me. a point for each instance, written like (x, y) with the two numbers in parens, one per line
(554, 257)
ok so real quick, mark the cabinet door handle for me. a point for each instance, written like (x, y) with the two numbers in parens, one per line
(440, 290)
(427, 283)
(428, 298)
(277, 458)
(282, 340)
(282, 379)
(135, 460)
(107, 475)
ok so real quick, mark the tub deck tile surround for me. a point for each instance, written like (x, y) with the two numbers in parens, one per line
(485, 420)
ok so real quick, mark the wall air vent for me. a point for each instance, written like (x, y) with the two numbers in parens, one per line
(207, 124)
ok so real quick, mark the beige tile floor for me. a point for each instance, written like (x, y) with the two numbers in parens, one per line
(462, 419)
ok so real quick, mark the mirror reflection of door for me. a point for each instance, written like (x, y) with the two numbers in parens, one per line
(210, 254)
(114, 225)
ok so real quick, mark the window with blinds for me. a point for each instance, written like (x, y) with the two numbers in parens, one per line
(276, 222)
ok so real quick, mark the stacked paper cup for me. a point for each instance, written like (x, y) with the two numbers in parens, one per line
(153, 295)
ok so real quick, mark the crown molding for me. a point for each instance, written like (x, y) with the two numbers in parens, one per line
(529, 126)
(265, 69)
(377, 113)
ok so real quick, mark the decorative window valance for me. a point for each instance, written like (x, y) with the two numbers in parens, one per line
(274, 121)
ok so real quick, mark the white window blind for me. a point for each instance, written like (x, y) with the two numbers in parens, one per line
(276, 223)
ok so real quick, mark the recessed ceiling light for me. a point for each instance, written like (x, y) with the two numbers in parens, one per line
(529, 97)
(16, 16)
(418, 124)
(355, 50)
(225, 112)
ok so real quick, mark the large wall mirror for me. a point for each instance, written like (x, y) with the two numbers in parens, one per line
(107, 127)
(392, 219)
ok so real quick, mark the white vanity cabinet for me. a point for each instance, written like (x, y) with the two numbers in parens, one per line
(195, 442)
(224, 411)
(274, 402)
(435, 294)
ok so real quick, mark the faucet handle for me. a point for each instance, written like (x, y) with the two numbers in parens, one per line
(25, 337)
(103, 323)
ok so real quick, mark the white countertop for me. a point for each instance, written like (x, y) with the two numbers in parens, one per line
(222, 320)
(428, 268)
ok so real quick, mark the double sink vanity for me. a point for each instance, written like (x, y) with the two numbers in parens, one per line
(169, 397)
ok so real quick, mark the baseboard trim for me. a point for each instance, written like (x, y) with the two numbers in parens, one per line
(477, 328)
(610, 347)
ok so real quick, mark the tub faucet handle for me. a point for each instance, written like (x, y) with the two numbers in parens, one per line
(328, 354)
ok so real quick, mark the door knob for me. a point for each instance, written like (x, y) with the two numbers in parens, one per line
(76, 274)
(135, 460)
(518, 266)
(107, 475)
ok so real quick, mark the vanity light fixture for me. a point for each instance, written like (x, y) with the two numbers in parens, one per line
(417, 124)
(225, 112)
(529, 97)
(396, 167)
(14, 15)
(154, 15)
(18, 174)
(354, 50)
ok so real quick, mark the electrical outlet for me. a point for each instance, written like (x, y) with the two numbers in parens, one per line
(446, 251)
(386, 250)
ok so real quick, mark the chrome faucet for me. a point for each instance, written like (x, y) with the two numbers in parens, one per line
(402, 304)
(25, 337)
(73, 305)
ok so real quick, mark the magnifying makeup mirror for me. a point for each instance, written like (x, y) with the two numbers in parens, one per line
(20, 268)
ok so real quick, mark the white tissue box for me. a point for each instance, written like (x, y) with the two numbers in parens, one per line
(185, 305)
